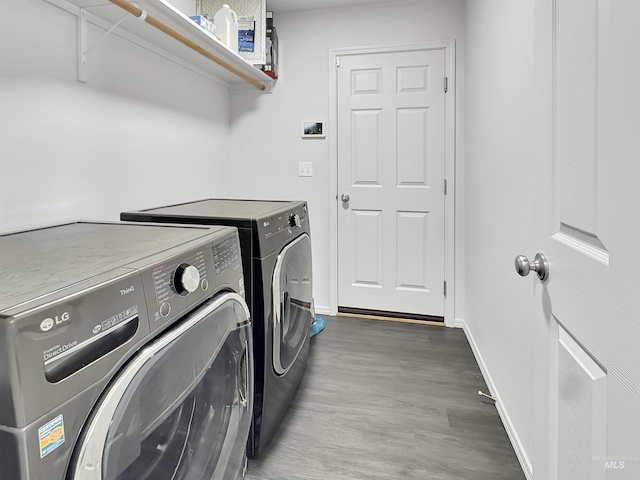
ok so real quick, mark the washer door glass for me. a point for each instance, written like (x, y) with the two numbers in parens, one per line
(181, 408)
(292, 293)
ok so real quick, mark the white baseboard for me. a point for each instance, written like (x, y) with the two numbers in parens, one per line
(525, 463)
(322, 310)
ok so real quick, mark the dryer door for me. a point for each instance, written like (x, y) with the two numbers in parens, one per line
(181, 409)
(292, 294)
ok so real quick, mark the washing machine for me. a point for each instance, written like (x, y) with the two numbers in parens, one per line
(125, 353)
(276, 251)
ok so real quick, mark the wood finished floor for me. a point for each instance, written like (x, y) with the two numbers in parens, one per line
(384, 400)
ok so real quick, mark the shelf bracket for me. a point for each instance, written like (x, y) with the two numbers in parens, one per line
(82, 46)
(83, 49)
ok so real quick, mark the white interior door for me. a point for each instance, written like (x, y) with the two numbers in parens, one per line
(588, 342)
(391, 164)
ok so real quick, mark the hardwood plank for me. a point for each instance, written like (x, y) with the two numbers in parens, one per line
(386, 400)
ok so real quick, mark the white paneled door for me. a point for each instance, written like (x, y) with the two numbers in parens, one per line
(391, 167)
(588, 332)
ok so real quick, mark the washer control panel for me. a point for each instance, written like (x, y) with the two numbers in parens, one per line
(186, 279)
(176, 283)
(183, 282)
(225, 254)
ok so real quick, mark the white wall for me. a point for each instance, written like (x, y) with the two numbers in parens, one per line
(265, 129)
(142, 132)
(500, 185)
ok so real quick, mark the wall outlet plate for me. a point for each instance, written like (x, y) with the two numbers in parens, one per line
(305, 169)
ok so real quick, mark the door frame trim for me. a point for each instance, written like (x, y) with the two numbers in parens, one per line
(448, 46)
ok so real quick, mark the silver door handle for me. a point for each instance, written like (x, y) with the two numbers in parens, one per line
(540, 265)
(344, 197)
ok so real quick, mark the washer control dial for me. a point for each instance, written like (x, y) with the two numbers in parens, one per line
(186, 279)
(294, 220)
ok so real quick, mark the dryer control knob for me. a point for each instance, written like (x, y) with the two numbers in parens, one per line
(294, 220)
(186, 279)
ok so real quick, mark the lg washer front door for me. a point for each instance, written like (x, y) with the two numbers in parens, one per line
(181, 409)
(292, 299)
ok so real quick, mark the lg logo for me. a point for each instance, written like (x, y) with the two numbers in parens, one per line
(48, 323)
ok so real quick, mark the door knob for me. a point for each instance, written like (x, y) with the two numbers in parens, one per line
(344, 197)
(540, 265)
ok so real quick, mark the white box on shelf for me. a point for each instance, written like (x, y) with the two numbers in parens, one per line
(204, 22)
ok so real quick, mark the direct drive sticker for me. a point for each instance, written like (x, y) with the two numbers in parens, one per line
(51, 436)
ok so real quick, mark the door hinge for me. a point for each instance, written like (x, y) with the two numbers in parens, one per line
(445, 186)
(445, 288)
(337, 61)
(446, 84)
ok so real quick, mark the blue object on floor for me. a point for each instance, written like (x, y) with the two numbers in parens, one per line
(318, 325)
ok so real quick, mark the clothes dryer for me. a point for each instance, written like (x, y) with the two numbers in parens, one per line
(276, 251)
(125, 353)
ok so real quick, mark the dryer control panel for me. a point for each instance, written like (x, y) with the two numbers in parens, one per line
(277, 230)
